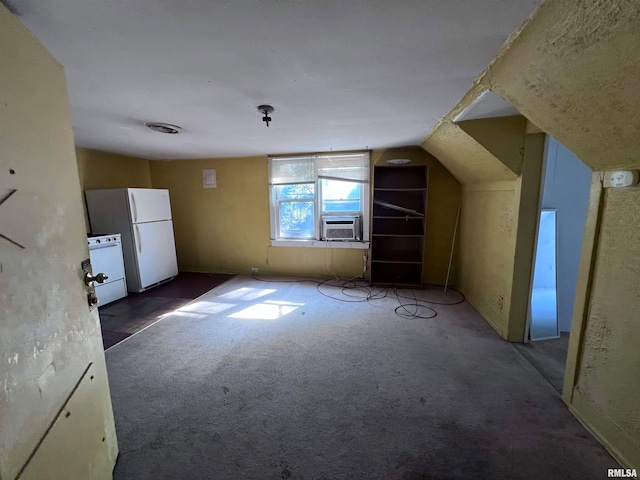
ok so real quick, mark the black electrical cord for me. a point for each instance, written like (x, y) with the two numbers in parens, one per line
(433, 302)
(416, 308)
(344, 286)
(403, 311)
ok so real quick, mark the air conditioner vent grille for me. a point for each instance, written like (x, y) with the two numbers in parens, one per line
(341, 228)
(340, 233)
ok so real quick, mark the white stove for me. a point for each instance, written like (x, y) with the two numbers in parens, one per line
(105, 252)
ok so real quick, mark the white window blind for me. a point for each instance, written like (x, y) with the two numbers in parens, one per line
(292, 170)
(353, 167)
(346, 167)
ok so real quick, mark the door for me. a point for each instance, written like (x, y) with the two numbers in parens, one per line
(56, 419)
(156, 251)
(149, 205)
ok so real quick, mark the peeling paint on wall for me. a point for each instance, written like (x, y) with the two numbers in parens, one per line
(54, 229)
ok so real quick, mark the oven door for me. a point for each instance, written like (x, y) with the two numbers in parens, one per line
(108, 260)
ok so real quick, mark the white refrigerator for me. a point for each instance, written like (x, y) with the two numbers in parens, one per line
(142, 216)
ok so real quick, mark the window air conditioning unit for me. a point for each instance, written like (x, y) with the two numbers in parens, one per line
(341, 228)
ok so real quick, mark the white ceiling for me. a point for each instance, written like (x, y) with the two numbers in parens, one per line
(341, 74)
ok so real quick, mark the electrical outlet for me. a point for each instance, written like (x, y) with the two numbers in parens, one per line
(254, 270)
(500, 302)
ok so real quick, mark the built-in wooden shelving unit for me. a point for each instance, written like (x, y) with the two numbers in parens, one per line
(398, 225)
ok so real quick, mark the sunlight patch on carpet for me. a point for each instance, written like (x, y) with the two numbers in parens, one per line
(247, 293)
(205, 307)
(268, 310)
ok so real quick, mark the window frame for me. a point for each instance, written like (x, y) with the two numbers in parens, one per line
(339, 213)
(318, 200)
(275, 212)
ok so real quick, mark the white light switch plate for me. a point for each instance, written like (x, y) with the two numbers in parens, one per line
(209, 178)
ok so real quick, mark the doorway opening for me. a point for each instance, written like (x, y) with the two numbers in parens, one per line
(547, 295)
(565, 194)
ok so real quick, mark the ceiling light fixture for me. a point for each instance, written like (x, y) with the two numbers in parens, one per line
(164, 127)
(398, 161)
(265, 110)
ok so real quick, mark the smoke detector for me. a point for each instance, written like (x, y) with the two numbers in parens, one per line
(164, 127)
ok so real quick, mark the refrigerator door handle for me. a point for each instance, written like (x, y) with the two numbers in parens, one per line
(135, 208)
(139, 239)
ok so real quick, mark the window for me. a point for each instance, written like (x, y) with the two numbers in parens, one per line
(307, 188)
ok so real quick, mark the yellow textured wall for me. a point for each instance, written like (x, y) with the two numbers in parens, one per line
(466, 159)
(110, 170)
(484, 155)
(443, 198)
(527, 202)
(607, 380)
(226, 229)
(503, 137)
(487, 239)
(572, 71)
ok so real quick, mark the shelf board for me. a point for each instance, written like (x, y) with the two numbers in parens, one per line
(396, 284)
(397, 208)
(396, 260)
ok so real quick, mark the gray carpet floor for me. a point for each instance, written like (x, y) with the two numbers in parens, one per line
(549, 357)
(259, 380)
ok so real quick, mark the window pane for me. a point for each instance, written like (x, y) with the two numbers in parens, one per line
(340, 196)
(297, 220)
(303, 191)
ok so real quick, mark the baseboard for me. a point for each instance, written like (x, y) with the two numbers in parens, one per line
(621, 446)
(486, 317)
(210, 272)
